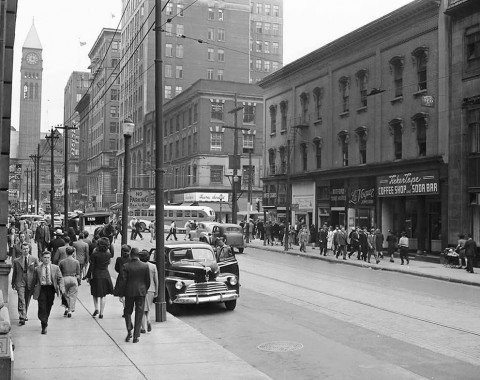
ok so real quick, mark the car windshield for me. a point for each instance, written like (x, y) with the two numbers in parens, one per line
(197, 254)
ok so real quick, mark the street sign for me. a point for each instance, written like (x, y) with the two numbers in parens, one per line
(139, 198)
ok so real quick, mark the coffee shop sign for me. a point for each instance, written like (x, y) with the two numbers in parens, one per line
(420, 183)
(205, 197)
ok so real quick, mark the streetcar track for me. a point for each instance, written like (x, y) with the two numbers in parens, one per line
(367, 304)
(339, 276)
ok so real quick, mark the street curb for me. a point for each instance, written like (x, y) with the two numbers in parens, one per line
(367, 265)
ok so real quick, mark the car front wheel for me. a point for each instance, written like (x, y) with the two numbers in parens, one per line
(230, 305)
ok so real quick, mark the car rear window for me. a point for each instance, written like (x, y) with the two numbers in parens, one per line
(233, 229)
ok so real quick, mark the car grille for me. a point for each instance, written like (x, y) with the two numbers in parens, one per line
(206, 288)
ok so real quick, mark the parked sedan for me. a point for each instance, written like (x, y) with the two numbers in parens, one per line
(209, 232)
(193, 276)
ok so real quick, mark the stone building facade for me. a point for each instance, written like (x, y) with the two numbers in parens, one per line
(355, 131)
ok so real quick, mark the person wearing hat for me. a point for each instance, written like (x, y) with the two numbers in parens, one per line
(57, 242)
(42, 237)
(222, 251)
(136, 282)
(403, 245)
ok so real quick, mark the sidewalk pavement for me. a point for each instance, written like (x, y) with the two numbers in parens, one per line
(415, 268)
(83, 347)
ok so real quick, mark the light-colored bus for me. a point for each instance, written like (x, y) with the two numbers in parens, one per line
(178, 213)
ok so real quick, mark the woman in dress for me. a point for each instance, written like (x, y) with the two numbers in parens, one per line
(100, 280)
(330, 239)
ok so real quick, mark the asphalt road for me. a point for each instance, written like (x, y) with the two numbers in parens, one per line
(299, 318)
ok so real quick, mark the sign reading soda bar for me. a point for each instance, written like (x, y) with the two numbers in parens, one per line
(413, 183)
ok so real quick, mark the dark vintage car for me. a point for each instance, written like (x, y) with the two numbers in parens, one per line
(194, 275)
(209, 232)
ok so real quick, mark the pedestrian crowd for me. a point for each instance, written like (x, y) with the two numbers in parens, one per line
(65, 259)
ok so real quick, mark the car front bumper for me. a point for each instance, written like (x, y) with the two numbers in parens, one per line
(229, 295)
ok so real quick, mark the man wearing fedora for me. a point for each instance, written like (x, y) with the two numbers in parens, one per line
(23, 280)
(42, 237)
(57, 242)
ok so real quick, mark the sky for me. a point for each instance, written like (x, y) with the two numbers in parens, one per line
(63, 24)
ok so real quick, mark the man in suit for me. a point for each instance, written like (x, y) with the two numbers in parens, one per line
(22, 280)
(82, 252)
(48, 281)
(56, 243)
(42, 237)
(18, 248)
(136, 281)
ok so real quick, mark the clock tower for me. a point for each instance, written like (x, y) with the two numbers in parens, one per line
(30, 96)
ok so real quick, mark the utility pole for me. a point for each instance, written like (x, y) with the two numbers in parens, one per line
(287, 209)
(65, 181)
(235, 161)
(53, 136)
(31, 188)
(36, 160)
(28, 172)
(161, 306)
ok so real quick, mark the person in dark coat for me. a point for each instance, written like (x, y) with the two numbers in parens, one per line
(355, 243)
(313, 235)
(42, 237)
(392, 241)
(136, 281)
(322, 239)
(98, 275)
(470, 252)
(72, 234)
(57, 242)
(363, 241)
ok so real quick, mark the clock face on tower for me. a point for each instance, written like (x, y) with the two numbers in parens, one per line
(31, 58)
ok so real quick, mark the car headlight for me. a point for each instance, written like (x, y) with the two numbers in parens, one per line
(179, 285)
(233, 281)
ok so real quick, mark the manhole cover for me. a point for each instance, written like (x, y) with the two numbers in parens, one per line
(280, 346)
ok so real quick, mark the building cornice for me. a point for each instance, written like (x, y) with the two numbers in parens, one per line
(418, 8)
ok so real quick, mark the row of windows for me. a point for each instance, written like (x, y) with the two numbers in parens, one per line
(265, 9)
(216, 141)
(420, 58)
(220, 55)
(211, 74)
(178, 50)
(185, 148)
(263, 65)
(31, 75)
(396, 127)
(168, 91)
(267, 28)
(181, 121)
(264, 46)
(220, 34)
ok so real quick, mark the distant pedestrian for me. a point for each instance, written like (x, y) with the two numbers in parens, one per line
(48, 281)
(291, 237)
(99, 277)
(12, 238)
(354, 237)
(340, 241)
(323, 240)
(371, 240)
(138, 228)
(313, 235)
(82, 253)
(268, 233)
(391, 244)
(123, 259)
(152, 228)
(173, 230)
(330, 234)
(303, 238)
(136, 280)
(23, 280)
(133, 235)
(363, 240)
(18, 247)
(470, 252)
(152, 292)
(460, 249)
(70, 268)
(57, 242)
(188, 228)
(72, 234)
(403, 245)
(379, 243)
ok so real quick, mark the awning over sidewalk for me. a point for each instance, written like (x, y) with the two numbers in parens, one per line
(216, 206)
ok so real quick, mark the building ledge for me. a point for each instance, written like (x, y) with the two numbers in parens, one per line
(344, 114)
(420, 93)
(362, 109)
(398, 99)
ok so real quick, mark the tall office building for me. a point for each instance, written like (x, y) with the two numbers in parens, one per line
(77, 85)
(232, 40)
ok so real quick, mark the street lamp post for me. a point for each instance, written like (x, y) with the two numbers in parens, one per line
(128, 128)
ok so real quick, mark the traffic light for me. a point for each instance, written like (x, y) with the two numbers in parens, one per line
(258, 206)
